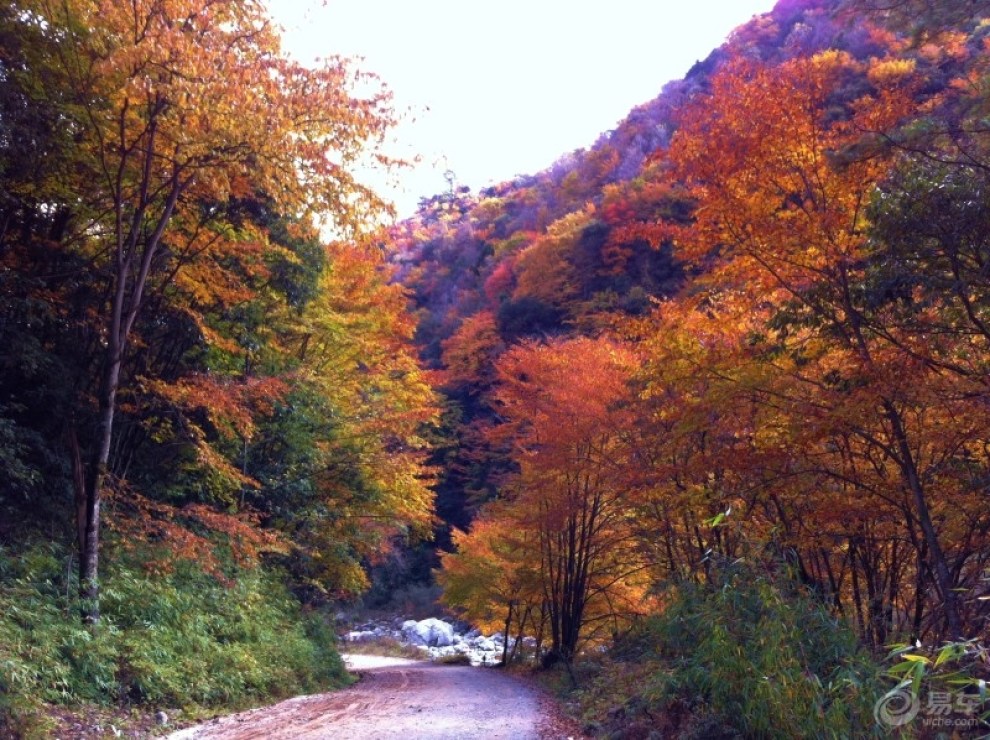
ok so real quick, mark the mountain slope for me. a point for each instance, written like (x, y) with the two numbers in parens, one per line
(569, 250)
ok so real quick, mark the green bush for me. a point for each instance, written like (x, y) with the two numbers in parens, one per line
(454, 659)
(172, 640)
(752, 657)
(761, 657)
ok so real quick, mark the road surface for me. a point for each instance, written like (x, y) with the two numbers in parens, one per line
(396, 698)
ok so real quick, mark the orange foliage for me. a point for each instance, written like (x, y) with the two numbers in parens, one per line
(469, 354)
(776, 389)
(566, 412)
(188, 533)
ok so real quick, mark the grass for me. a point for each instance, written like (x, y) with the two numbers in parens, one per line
(387, 646)
(454, 659)
(751, 658)
(174, 641)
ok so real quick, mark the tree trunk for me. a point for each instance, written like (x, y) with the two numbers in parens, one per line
(905, 460)
(78, 484)
(519, 634)
(89, 556)
(538, 648)
(943, 577)
(505, 636)
(134, 256)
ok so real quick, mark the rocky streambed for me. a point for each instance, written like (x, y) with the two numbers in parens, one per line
(437, 638)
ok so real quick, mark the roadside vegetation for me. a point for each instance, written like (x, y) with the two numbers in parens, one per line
(181, 642)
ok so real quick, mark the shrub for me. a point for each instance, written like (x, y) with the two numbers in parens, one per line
(177, 639)
(752, 657)
(454, 659)
(767, 660)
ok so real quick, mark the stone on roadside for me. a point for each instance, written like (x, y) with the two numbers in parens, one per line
(430, 632)
(411, 633)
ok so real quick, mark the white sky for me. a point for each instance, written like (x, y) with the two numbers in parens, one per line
(506, 87)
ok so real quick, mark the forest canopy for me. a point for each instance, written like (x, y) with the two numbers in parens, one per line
(727, 366)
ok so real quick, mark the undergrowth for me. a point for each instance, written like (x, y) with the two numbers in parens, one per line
(388, 646)
(181, 639)
(750, 658)
(454, 659)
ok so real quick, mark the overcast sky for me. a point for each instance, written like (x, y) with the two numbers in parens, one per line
(506, 87)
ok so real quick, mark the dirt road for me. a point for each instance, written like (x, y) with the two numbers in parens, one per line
(398, 698)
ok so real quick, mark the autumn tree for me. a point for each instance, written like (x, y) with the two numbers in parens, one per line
(565, 407)
(492, 578)
(469, 354)
(780, 222)
(178, 106)
(358, 372)
(701, 438)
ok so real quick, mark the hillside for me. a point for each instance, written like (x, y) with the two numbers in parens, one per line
(565, 252)
(695, 419)
(743, 330)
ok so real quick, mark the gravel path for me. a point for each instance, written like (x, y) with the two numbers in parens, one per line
(398, 698)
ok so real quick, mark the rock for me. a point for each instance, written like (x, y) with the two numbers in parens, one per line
(429, 632)
(485, 645)
(161, 718)
(411, 633)
(472, 635)
(441, 634)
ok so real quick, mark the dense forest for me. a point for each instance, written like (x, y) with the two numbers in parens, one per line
(211, 415)
(739, 345)
(702, 409)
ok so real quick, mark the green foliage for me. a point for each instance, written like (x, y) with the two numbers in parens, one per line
(750, 656)
(386, 646)
(454, 659)
(950, 677)
(176, 640)
(772, 663)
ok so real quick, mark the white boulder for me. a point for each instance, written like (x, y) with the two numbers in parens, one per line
(410, 631)
(429, 632)
(485, 645)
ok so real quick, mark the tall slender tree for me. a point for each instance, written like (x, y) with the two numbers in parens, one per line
(177, 105)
